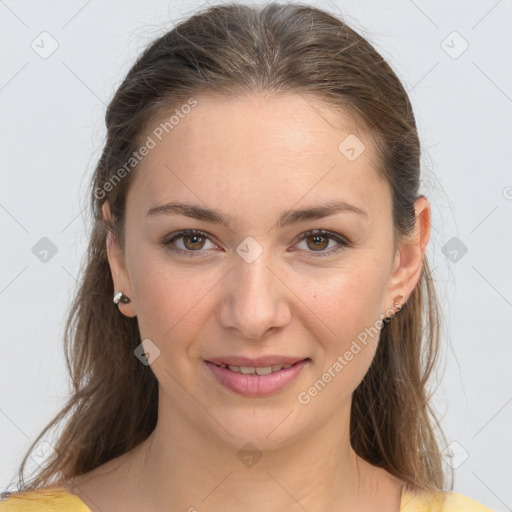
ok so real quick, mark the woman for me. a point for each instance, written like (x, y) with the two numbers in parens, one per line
(256, 321)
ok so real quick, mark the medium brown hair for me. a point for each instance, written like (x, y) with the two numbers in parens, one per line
(232, 49)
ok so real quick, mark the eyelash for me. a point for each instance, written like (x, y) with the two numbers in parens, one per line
(342, 242)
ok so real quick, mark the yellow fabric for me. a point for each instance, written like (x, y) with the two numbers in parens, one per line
(439, 502)
(47, 500)
(60, 500)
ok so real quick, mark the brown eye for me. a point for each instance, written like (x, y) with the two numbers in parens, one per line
(193, 242)
(318, 242)
(322, 243)
(189, 243)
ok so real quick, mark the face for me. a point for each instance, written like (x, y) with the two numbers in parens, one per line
(284, 251)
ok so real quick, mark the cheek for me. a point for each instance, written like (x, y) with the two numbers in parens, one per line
(347, 299)
(171, 300)
(347, 311)
(346, 341)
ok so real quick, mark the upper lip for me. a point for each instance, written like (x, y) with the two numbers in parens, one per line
(256, 362)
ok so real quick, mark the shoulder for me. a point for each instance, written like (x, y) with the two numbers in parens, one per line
(53, 499)
(455, 502)
(440, 502)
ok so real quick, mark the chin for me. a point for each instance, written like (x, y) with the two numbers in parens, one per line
(265, 428)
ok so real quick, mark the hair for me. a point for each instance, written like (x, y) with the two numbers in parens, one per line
(232, 49)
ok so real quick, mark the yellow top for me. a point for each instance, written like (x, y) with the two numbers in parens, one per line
(61, 500)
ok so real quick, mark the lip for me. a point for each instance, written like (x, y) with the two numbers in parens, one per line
(255, 362)
(256, 385)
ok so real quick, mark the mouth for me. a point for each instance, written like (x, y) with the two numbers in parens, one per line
(258, 370)
(256, 380)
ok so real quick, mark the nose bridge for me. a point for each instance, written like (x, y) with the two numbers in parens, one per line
(255, 300)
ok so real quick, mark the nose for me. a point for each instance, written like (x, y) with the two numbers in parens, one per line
(256, 301)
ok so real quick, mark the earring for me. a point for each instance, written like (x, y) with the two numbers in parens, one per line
(121, 297)
(396, 304)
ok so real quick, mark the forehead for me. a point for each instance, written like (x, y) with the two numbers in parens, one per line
(241, 150)
(279, 126)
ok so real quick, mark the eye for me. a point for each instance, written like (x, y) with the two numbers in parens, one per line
(193, 242)
(318, 240)
(188, 242)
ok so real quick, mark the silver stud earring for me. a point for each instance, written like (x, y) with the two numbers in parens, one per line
(396, 304)
(120, 297)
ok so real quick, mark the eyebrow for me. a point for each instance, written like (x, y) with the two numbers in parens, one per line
(287, 218)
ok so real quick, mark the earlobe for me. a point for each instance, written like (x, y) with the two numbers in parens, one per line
(121, 281)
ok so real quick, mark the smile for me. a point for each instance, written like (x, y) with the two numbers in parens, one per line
(256, 381)
(261, 370)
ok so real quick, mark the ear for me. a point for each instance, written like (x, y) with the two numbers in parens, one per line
(116, 260)
(409, 258)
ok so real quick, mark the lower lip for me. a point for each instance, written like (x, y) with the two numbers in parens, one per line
(256, 385)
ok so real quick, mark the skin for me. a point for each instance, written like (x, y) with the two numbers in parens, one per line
(252, 158)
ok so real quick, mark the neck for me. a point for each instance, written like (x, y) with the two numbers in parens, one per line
(191, 469)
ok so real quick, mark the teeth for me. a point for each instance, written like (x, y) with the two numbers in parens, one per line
(265, 370)
(262, 370)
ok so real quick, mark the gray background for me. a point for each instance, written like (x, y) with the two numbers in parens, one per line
(51, 128)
